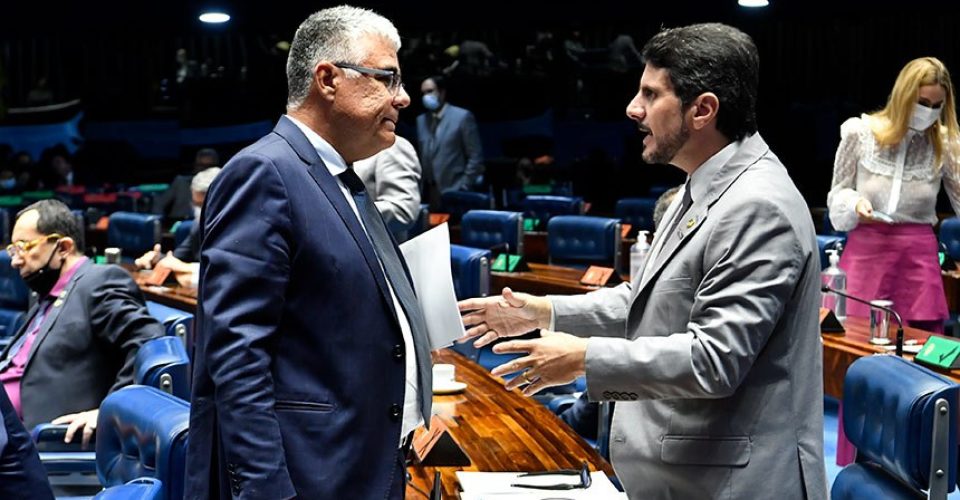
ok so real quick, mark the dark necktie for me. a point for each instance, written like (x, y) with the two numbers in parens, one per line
(393, 267)
(685, 203)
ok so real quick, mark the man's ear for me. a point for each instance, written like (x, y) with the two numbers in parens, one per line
(325, 77)
(67, 245)
(705, 108)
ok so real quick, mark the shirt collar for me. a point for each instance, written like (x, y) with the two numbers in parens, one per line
(331, 158)
(66, 276)
(700, 179)
(438, 114)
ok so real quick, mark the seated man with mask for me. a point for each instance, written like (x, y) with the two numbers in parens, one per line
(79, 341)
(184, 260)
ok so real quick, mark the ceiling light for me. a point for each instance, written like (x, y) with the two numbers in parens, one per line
(753, 3)
(214, 17)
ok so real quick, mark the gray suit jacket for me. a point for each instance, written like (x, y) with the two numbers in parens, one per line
(86, 346)
(392, 176)
(452, 151)
(715, 358)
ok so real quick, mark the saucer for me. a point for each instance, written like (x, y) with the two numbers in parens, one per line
(449, 387)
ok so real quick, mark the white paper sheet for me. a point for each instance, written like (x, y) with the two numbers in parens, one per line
(428, 258)
(496, 486)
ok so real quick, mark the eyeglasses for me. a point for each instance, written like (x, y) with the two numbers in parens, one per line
(584, 473)
(21, 247)
(389, 77)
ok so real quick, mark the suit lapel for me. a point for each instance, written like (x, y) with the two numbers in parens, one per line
(318, 171)
(53, 314)
(749, 153)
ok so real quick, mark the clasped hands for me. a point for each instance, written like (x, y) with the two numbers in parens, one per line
(553, 359)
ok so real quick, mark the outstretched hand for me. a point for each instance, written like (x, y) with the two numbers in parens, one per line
(553, 359)
(507, 315)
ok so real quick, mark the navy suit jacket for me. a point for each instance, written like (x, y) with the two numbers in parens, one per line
(299, 369)
(21, 473)
(452, 152)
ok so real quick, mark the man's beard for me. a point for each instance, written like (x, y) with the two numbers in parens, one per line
(668, 146)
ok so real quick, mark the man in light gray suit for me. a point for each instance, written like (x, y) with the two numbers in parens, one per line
(449, 144)
(392, 176)
(714, 356)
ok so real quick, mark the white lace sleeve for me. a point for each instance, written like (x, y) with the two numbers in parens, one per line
(951, 174)
(843, 197)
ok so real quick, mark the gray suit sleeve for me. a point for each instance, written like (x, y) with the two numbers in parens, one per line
(602, 313)
(398, 184)
(474, 152)
(752, 260)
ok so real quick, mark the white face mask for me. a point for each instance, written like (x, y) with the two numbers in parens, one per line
(196, 213)
(923, 117)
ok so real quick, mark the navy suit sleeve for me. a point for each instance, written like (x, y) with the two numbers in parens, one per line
(119, 316)
(244, 271)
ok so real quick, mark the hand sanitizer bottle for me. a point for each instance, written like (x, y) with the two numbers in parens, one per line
(638, 256)
(835, 278)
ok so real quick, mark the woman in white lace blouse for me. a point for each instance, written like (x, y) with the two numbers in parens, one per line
(886, 178)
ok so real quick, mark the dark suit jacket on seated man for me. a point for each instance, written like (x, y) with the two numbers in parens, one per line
(311, 362)
(713, 355)
(80, 340)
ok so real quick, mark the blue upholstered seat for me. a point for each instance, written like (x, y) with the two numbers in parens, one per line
(457, 203)
(133, 233)
(492, 229)
(14, 299)
(471, 271)
(581, 240)
(144, 488)
(638, 212)
(142, 432)
(950, 236)
(182, 231)
(545, 207)
(163, 363)
(902, 418)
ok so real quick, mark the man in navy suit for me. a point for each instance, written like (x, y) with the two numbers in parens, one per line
(312, 365)
(450, 152)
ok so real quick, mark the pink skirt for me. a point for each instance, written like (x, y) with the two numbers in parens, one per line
(895, 262)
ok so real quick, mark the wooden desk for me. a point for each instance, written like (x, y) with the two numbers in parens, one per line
(839, 352)
(500, 431)
(541, 279)
(171, 294)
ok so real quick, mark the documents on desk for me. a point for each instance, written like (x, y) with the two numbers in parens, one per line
(428, 258)
(497, 486)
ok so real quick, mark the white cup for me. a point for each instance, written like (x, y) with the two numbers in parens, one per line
(443, 374)
(111, 255)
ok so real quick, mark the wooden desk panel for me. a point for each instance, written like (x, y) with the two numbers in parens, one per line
(541, 279)
(839, 352)
(171, 295)
(500, 431)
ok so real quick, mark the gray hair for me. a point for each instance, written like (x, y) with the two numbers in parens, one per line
(202, 180)
(331, 35)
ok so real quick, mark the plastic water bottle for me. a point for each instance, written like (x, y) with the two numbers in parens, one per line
(638, 256)
(835, 278)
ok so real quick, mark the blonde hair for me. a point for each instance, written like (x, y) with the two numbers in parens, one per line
(890, 123)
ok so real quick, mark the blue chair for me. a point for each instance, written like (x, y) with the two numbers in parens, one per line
(825, 243)
(638, 212)
(14, 299)
(142, 432)
(163, 363)
(133, 233)
(471, 271)
(457, 203)
(950, 236)
(902, 418)
(182, 231)
(493, 229)
(144, 488)
(6, 226)
(581, 240)
(545, 207)
(176, 322)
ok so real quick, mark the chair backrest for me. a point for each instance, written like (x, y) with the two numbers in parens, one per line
(142, 432)
(827, 242)
(134, 233)
(6, 226)
(177, 323)
(144, 488)
(638, 212)
(950, 236)
(163, 363)
(545, 207)
(14, 293)
(471, 271)
(582, 240)
(902, 419)
(183, 230)
(457, 203)
(493, 229)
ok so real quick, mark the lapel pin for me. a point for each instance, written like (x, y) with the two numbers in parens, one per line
(58, 303)
(691, 222)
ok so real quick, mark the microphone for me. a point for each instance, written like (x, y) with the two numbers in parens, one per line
(436, 493)
(899, 351)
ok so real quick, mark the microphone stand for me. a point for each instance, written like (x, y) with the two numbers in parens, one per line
(899, 351)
